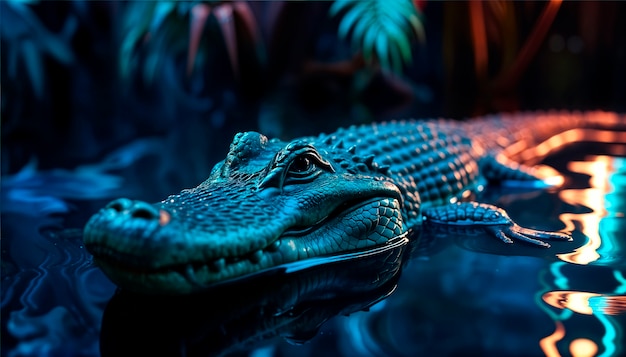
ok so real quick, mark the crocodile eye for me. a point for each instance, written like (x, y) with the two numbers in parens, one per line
(303, 164)
(302, 168)
(300, 165)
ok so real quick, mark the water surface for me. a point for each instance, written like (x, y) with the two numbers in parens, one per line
(453, 294)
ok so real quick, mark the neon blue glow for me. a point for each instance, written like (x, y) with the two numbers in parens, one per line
(607, 246)
(609, 337)
(621, 289)
(614, 204)
(560, 280)
(394, 243)
(563, 314)
(266, 351)
(609, 229)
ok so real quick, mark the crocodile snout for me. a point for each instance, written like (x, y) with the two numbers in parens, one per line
(134, 209)
(139, 210)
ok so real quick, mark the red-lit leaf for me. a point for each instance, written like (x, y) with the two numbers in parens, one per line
(32, 60)
(199, 15)
(247, 17)
(419, 5)
(226, 21)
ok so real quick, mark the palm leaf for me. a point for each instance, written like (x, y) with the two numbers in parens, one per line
(148, 29)
(137, 19)
(381, 29)
(161, 11)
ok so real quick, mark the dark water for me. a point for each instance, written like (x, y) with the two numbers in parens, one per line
(448, 294)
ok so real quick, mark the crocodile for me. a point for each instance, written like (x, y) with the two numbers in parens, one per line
(272, 202)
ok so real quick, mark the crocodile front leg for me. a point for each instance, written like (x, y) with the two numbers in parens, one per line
(495, 221)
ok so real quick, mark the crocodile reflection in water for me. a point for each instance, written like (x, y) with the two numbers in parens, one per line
(271, 202)
(290, 301)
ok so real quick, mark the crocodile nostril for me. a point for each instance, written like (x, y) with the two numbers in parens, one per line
(136, 209)
(119, 205)
(142, 213)
(144, 210)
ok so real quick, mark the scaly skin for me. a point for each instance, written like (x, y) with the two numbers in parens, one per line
(272, 202)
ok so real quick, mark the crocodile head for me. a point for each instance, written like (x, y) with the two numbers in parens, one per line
(268, 203)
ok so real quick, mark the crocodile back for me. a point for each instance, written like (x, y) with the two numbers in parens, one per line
(432, 162)
(518, 135)
(440, 159)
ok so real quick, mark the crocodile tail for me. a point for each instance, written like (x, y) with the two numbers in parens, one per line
(528, 137)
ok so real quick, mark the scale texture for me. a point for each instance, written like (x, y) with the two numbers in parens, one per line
(272, 202)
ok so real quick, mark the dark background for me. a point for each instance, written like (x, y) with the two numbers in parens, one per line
(72, 93)
(99, 101)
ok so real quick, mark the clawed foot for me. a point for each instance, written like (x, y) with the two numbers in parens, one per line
(509, 232)
(491, 218)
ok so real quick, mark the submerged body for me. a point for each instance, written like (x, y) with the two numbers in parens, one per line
(272, 202)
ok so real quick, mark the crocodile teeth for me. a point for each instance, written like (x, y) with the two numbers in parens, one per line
(190, 275)
(274, 246)
(218, 264)
(256, 256)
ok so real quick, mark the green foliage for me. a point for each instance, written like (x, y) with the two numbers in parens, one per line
(140, 19)
(154, 30)
(380, 28)
(383, 30)
(29, 41)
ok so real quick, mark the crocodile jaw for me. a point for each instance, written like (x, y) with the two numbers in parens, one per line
(367, 223)
(268, 203)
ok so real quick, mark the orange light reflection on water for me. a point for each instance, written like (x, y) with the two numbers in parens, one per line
(586, 303)
(580, 347)
(594, 198)
(548, 343)
(601, 170)
(583, 347)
